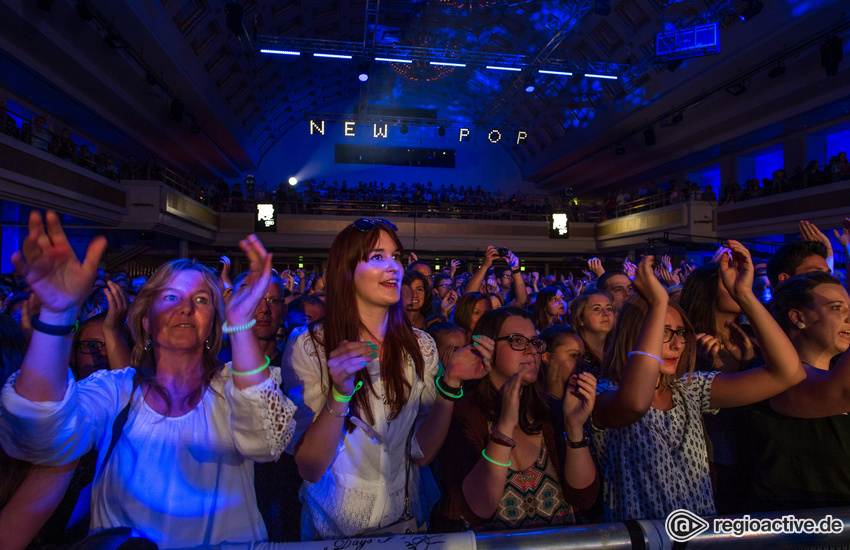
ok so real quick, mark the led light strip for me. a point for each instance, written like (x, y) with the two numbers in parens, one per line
(333, 55)
(446, 63)
(388, 60)
(562, 73)
(281, 52)
(589, 75)
(491, 67)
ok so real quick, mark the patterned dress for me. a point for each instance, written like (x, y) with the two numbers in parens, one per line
(658, 464)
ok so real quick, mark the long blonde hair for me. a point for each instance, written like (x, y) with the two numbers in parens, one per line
(143, 359)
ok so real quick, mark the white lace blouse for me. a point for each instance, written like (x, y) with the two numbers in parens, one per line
(179, 481)
(364, 487)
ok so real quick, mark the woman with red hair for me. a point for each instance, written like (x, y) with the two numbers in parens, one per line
(366, 385)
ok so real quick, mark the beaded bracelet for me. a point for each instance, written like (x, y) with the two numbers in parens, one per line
(250, 372)
(339, 398)
(576, 445)
(53, 330)
(227, 329)
(499, 438)
(502, 464)
(647, 354)
(333, 412)
(448, 392)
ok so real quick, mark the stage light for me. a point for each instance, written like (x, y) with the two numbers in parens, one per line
(403, 129)
(602, 7)
(777, 71)
(442, 131)
(737, 88)
(649, 136)
(561, 73)
(363, 72)
(332, 55)
(605, 76)
(389, 60)
(494, 68)
(280, 52)
(447, 64)
(292, 181)
(831, 54)
(529, 85)
(752, 10)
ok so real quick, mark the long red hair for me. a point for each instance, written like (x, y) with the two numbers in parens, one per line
(342, 322)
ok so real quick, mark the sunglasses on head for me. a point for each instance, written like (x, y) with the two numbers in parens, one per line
(368, 224)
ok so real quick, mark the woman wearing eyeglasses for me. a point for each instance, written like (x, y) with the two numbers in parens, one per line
(371, 406)
(647, 432)
(516, 458)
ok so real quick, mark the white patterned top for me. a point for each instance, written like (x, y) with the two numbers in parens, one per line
(182, 481)
(364, 487)
(658, 464)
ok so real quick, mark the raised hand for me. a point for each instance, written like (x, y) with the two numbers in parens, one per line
(810, 232)
(629, 268)
(471, 362)
(595, 266)
(50, 267)
(667, 263)
(346, 360)
(512, 260)
(737, 344)
(455, 264)
(645, 283)
(509, 418)
(448, 304)
(707, 349)
(490, 256)
(737, 276)
(579, 399)
(243, 303)
(225, 272)
(844, 236)
(118, 304)
(412, 258)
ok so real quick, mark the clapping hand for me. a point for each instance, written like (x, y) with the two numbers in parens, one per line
(470, 362)
(579, 399)
(242, 305)
(737, 271)
(647, 286)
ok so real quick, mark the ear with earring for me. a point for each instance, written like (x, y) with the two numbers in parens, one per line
(801, 325)
(148, 344)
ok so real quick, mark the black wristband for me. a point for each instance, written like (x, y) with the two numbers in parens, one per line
(53, 330)
(573, 445)
(515, 271)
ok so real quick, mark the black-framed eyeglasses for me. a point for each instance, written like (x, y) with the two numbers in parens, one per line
(682, 334)
(90, 347)
(446, 285)
(273, 301)
(519, 342)
(367, 224)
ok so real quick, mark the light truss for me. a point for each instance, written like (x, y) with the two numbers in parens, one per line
(439, 55)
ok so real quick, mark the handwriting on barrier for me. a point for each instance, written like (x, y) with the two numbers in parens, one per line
(409, 542)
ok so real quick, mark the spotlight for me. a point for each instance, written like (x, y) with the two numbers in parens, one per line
(677, 118)
(649, 136)
(442, 131)
(84, 12)
(150, 79)
(777, 71)
(403, 129)
(831, 54)
(602, 7)
(619, 150)
(292, 180)
(737, 88)
(752, 10)
(176, 111)
(233, 14)
(530, 86)
(363, 72)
